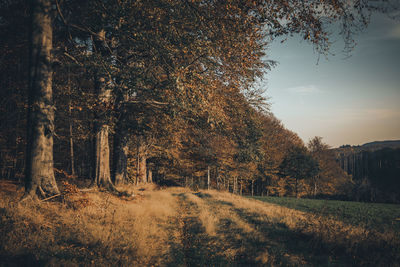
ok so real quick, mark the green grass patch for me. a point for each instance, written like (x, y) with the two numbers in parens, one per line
(375, 216)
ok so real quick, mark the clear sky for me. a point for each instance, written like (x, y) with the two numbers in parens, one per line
(344, 100)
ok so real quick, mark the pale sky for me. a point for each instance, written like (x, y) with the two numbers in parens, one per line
(344, 100)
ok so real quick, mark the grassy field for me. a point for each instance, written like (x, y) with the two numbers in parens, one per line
(179, 227)
(373, 216)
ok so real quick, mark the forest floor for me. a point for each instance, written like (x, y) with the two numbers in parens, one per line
(179, 227)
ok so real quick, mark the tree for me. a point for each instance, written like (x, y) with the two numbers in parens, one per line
(200, 59)
(299, 164)
(39, 169)
(331, 179)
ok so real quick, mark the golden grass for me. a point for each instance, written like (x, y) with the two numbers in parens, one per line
(109, 228)
(322, 230)
(161, 227)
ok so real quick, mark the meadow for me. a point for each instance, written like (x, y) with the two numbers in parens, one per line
(179, 227)
(372, 216)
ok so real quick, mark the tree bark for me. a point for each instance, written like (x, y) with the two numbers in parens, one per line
(120, 173)
(208, 177)
(137, 163)
(217, 177)
(102, 175)
(149, 175)
(39, 157)
(142, 169)
(103, 91)
(71, 139)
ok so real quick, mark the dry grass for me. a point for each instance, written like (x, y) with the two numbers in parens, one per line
(363, 246)
(107, 230)
(177, 227)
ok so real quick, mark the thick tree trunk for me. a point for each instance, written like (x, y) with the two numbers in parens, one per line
(102, 88)
(120, 173)
(39, 157)
(102, 149)
(102, 175)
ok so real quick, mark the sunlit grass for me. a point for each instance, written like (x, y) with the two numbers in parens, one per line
(179, 227)
(374, 216)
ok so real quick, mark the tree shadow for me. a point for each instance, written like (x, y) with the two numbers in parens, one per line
(196, 248)
(280, 244)
(28, 260)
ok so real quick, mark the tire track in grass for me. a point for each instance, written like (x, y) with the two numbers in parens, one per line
(302, 242)
(261, 243)
(196, 248)
(319, 243)
(238, 241)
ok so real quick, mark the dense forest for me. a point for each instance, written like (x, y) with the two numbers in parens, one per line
(105, 92)
(375, 169)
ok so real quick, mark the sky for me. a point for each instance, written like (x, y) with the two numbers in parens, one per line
(345, 100)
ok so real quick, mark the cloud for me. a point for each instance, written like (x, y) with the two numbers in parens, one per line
(305, 89)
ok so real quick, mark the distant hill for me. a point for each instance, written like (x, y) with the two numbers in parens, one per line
(382, 144)
(371, 146)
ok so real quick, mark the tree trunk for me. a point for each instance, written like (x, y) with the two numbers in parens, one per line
(102, 149)
(120, 173)
(39, 157)
(149, 175)
(102, 175)
(137, 163)
(71, 149)
(315, 187)
(102, 88)
(208, 177)
(71, 140)
(217, 175)
(142, 169)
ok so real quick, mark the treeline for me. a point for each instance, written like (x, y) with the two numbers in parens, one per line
(158, 90)
(375, 173)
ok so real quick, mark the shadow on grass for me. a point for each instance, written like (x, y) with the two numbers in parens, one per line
(293, 247)
(20, 260)
(276, 244)
(197, 248)
(202, 195)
